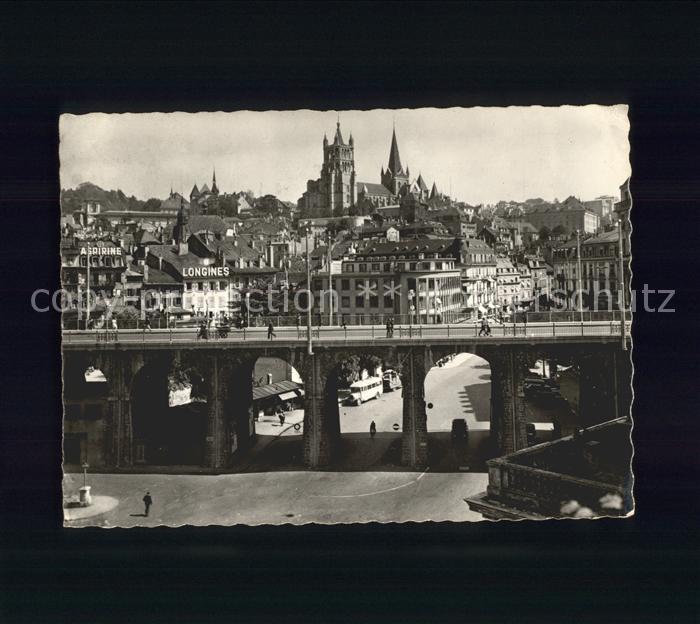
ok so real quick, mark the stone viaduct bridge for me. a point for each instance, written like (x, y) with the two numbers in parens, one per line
(226, 367)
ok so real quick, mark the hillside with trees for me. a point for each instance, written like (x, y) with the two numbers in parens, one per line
(71, 199)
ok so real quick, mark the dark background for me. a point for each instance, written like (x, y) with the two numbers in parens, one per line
(145, 57)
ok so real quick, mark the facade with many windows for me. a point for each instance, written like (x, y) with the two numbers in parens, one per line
(413, 282)
(478, 275)
(599, 276)
(508, 283)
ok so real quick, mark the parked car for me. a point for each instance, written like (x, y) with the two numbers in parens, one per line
(460, 431)
(391, 380)
(540, 381)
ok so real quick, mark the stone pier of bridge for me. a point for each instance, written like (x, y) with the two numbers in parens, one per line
(604, 380)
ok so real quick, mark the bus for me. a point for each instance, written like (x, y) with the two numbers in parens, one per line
(364, 390)
(392, 380)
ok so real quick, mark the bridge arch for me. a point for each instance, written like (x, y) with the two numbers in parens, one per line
(169, 412)
(458, 412)
(86, 391)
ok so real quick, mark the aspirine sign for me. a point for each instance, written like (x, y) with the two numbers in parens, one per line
(98, 250)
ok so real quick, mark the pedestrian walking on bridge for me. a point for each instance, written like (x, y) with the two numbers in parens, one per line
(485, 329)
(147, 501)
(372, 429)
(271, 331)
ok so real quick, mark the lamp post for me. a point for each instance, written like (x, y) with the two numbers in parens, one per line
(247, 308)
(580, 286)
(411, 307)
(87, 289)
(621, 286)
(309, 345)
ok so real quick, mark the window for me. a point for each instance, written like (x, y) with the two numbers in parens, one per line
(375, 266)
(222, 285)
(200, 286)
(345, 284)
(374, 301)
(363, 268)
(345, 302)
(360, 301)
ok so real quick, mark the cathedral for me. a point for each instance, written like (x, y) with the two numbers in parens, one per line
(336, 191)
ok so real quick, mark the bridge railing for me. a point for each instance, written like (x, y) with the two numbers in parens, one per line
(361, 320)
(516, 331)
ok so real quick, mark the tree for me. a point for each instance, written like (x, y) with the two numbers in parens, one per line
(228, 206)
(351, 367)
(545, 233)
(152, 205)
(559, 230)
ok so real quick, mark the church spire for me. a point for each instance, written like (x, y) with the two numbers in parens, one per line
(394, 158)
(338, 136)
(214, 188)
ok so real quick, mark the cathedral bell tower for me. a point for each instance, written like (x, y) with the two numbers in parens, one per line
(337, 183)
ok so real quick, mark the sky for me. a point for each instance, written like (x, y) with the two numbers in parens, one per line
(477, 155)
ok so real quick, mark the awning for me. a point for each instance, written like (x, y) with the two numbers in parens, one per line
(288, 396)
(482, 309)
(274, 389)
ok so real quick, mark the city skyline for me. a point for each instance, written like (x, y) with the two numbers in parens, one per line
(478, 155)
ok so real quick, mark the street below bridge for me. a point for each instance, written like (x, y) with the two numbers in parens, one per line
(367, 482)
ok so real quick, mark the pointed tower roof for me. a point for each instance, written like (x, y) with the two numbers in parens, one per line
(434, 191)
(194, 191)
(205, 189)
(421, 183)
(394, 158)
(181, 231)
(214, 188)
(338, 136)
(351, 141)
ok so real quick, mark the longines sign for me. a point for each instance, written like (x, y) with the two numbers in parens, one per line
(205, 271)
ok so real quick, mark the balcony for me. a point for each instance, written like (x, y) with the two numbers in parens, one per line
(534, 483)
